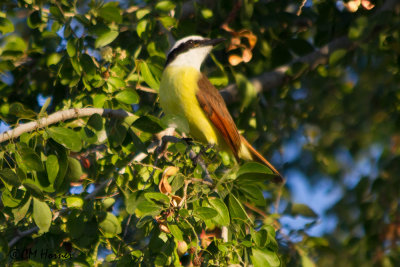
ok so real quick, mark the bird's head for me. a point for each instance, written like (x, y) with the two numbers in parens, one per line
(191, 51)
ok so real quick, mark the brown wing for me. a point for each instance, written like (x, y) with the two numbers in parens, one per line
(214, 107)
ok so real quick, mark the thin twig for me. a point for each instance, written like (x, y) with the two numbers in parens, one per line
(146, 89)
(262, 213)
(199, 160)
(187, 182)
(301, 7)
(125, 231)
(21, 235)
(97, 190)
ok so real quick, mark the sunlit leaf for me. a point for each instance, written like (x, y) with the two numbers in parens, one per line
(205, 213)
(42, 215)
(128, 96)
(105, 38)
(109, 224)
(66, 137)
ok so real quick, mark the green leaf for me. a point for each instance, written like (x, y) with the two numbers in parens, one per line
(175, 231)
(44, 107)
(9, 177)
(53, 59)
(109, 224)
(8, 199)
(148, 76)
(359, 28)
(105, 38)
(168, 22)
(111, 13)
(264, 258)
(148, 124)
(20, 212)
(178, 122)
(107, 203)
(142, 12)
(116, 132)
(52, 168)
(76, 65)
(88, 65)
(116, 83)
(34, 20)
(41, 215)
(222, 218)
(74, 202)
(55, 11)
(147, 207)
(236, 209)
(302, 210)
(71, 47)
(33, 188)
(88, 135)
(96, 122)
(66, 137)
(157, 197)
(74, 171)
(62, 158)
(6, 26)
(14, 43)
(205, 213)
(206, 13)
(254, 172)
(165, 6)
(254, 193)
(254, 167)
(31, 159)
(260, 237)
(128, 97)
(177, 182)
(306, 261)
(336, 56)
(141, 27)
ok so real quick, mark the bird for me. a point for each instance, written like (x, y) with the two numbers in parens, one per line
(185, 91)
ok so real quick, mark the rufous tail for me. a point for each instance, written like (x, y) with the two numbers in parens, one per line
(256, 156)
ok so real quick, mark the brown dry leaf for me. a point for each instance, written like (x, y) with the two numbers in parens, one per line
(164, 185)
(353, 5)
(367, 4)
(175, 200)
(226, 27)
(164, 228)
(234, 60)
(251, 37)
(247, 55)
(235, 43)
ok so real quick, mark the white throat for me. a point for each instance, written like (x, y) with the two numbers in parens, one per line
(192, 58)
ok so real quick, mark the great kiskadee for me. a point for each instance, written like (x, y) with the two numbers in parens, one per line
(185, 91)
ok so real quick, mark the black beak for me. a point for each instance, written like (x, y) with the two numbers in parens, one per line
(213, 42)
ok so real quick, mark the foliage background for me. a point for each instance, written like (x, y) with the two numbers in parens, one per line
(313, 85)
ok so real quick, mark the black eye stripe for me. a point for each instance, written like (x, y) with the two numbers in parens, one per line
(181, 49)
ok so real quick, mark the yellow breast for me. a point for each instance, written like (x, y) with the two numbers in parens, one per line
(178, 97)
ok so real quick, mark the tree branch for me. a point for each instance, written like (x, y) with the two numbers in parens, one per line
(21, 235)
(61, 116)
(278, 76)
